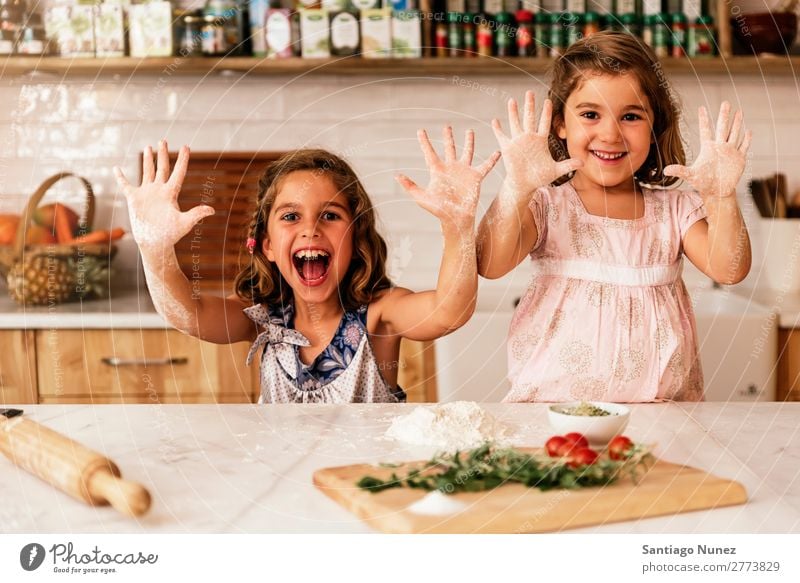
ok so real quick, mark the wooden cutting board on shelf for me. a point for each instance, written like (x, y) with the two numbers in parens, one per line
(664, 489)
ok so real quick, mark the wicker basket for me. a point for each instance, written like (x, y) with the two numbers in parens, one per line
(76, 254)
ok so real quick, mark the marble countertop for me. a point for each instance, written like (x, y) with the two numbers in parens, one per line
(126, 308)
(248, 468)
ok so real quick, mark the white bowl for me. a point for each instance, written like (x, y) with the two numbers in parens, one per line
(597, 430)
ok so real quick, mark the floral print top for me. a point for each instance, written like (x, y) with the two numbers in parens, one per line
(346, 371)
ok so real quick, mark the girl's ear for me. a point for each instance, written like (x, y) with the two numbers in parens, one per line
(561, 131)
(266, 249)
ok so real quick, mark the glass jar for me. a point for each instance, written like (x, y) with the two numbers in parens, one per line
(700, 42)
(213, 41)
(191, 44)
(227, 14)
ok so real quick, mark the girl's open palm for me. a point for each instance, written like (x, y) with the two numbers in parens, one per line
(526, 154)
(720, 164)
(156, 220)
(454, 186)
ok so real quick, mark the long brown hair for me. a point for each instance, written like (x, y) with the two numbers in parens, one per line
(260, 281)
(619, 53)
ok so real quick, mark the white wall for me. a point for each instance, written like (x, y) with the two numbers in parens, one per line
(88, 126)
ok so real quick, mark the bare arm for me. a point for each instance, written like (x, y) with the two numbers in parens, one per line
(157, 225)
(507, 232)
(720, 245)
(452, 196)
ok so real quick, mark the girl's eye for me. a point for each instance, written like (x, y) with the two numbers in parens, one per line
(631, 117)
(330, 216)
(289, 217)
(589, 114)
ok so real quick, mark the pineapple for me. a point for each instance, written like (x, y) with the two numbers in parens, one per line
(41, 279)
(92, 276)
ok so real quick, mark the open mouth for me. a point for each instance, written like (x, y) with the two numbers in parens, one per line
(312, 265)
(608, 156)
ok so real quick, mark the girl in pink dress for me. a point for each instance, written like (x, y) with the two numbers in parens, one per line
(606, 315)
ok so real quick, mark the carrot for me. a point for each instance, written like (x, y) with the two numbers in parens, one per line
(63, 229)
(99, 236)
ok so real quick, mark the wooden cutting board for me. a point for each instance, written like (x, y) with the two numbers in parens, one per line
(665, 489)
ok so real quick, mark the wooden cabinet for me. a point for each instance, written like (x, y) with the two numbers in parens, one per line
(152, 366)
(17, 367)
(788, 365)
(140, 366)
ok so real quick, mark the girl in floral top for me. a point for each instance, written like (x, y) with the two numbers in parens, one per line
(606, 315)
(325, 313)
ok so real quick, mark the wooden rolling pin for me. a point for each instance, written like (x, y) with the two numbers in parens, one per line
(69, 466)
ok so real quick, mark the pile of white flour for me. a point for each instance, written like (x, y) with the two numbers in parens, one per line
(449, 426)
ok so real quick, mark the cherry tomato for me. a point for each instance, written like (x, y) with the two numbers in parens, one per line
(619, 447)
(582, 456)
(553, 444)
(577, 439)
(566, 448)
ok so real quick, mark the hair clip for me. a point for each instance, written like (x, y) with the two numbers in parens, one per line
(251, 245)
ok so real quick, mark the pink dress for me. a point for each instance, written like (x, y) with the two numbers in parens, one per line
(606, 316)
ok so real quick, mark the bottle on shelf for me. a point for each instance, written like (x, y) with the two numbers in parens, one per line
(485, 37)
(12, 18)
(469, 35)
(526, 33)
(678, 40)
(505, 35)
(700, 40)
(455, 34)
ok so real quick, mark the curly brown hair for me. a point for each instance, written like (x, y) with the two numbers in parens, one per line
(619, 53)
(260, 281)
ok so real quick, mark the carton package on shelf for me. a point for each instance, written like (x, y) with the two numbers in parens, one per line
(345, 33)
(376, 33)
(406, 34)
(314, 34)
(368, 4)
(71, 27)
(258, 15)
(109, 30)
(151, 29)
(281, 33)
(338, 5)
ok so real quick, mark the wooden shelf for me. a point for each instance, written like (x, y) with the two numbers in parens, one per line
(178, 66)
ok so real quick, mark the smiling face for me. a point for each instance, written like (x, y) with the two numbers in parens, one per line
(607, 124)
(309, 235)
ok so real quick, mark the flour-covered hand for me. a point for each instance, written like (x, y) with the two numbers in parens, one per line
(156, 221)
(454, 185)
(526, 154)
(722, 158)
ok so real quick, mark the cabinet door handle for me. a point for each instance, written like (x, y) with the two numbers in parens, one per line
(114, 361)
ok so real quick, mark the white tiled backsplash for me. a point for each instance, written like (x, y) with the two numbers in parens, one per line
(88, 126)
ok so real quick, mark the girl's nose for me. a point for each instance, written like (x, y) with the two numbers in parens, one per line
(311, 229)
(610, 132)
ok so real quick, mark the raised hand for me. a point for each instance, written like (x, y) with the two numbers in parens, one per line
(719, 166)
(526, 155)
(454, 186)
(156, 220)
